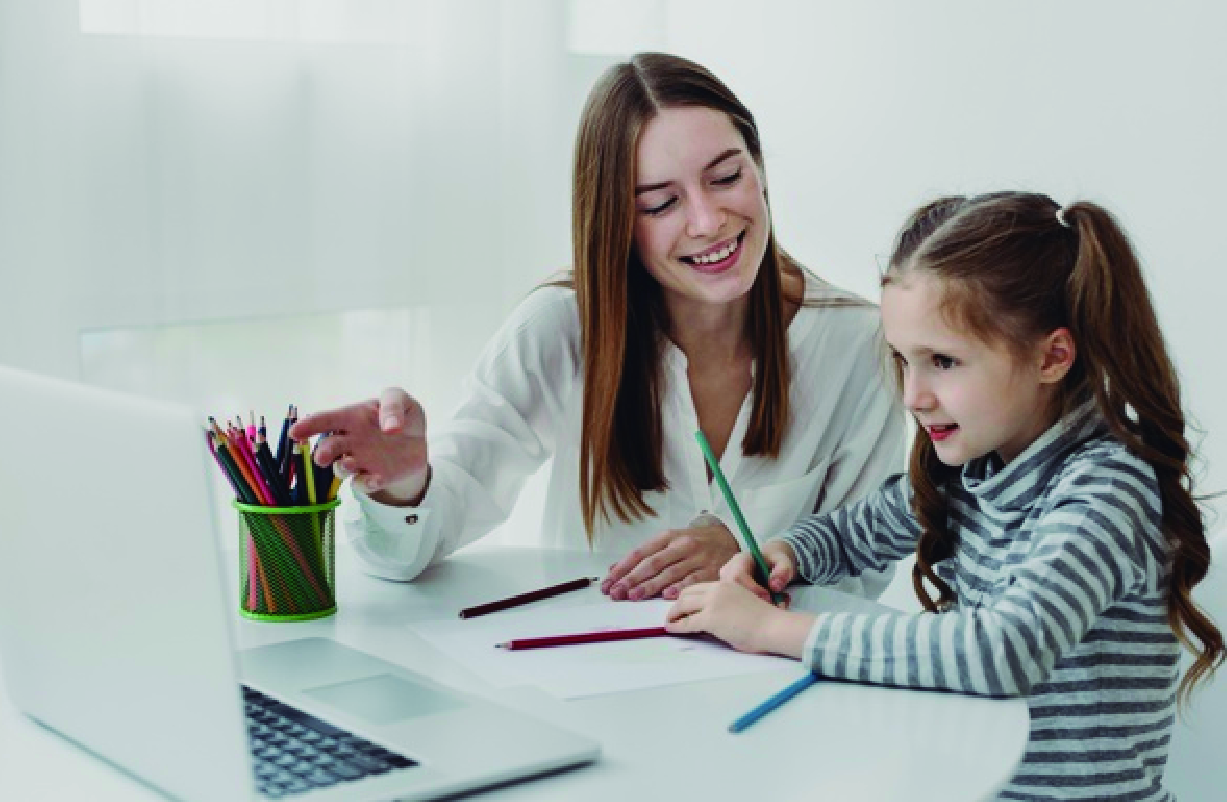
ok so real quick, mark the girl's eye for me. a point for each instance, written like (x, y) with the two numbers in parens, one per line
(655, 210)
(728, 180)
(942, 362)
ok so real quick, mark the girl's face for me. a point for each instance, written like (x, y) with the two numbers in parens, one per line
(972, 397)
(701, 219)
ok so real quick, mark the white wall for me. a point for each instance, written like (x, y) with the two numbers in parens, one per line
(869, 108)
(154, 181)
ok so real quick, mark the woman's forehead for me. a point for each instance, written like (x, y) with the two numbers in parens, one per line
(683, 140)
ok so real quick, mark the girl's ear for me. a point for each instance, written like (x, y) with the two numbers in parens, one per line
(1057, 354)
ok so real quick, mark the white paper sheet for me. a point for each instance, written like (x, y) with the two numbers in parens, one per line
(570, 672)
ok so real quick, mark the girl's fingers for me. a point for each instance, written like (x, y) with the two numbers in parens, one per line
(687, 604)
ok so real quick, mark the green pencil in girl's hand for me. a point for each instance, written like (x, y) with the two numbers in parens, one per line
(747, 536)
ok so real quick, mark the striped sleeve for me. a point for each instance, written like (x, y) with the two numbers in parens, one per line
(1084, 556)
(867, 535)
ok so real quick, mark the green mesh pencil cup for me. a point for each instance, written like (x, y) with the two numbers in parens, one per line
(286, 563)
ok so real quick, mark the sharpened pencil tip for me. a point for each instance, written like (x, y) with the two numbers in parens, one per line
(500, 646)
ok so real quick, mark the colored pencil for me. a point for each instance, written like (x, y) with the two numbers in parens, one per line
(264, 460)
(526, 598)
(279, 453)
(774, 702)
(308, 473)
(581, 637)
(747, 536)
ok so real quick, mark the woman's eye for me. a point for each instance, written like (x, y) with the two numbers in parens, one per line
(943, 362)
(655, 210)
(728, 179)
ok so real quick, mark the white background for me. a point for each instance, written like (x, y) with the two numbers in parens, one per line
(282, 201)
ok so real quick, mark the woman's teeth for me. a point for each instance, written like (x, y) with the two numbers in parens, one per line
(718, 256)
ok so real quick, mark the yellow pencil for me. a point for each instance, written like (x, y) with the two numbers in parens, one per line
(308, 470)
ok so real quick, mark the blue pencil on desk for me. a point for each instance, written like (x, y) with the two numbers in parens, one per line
(773, 702)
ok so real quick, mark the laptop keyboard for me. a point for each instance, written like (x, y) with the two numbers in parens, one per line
(294, 752)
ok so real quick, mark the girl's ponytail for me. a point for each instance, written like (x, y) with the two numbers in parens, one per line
(1125, 365)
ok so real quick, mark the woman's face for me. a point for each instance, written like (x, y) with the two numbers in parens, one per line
(701, 219)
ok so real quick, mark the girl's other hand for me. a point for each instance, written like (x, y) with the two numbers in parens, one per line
(669, 562)
(736, 616)
(380, 443)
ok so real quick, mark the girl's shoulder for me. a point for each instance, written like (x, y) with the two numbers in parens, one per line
(1100, 463)
(1116, 492)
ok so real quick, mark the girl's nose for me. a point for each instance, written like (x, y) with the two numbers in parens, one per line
(916, 395)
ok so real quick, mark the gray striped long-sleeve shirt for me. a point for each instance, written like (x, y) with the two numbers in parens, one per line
(1060, 569)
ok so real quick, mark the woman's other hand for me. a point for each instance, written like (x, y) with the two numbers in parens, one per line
(380, 443)
(669, 562)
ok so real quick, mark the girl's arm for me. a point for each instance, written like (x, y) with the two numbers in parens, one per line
(1092, 548)
(867, 535)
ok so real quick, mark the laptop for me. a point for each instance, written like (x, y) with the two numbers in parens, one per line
(115, 631)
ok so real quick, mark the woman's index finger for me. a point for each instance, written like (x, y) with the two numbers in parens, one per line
(343, 419)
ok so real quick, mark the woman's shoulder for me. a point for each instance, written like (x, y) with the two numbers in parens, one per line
(822, 294)
(834, 319)
(549, 308)
(541, 332)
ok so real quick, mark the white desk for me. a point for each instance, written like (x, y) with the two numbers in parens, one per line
(835, 741)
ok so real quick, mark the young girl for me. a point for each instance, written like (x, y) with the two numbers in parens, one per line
(1047, 501)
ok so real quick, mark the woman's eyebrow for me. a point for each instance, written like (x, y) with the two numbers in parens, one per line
(639, 190)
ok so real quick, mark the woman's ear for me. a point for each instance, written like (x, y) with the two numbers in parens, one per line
(1057, 354)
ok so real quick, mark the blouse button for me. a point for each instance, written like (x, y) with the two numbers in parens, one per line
(411, 519)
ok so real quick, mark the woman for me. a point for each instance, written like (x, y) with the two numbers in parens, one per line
(681, 312)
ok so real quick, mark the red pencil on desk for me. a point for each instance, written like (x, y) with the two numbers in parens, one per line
(581, 637)
(525, 598)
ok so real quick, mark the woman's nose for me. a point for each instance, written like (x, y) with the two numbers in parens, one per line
(706, 217)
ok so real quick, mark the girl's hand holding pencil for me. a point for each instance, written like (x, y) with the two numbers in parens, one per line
(780, 560)
(380, 443)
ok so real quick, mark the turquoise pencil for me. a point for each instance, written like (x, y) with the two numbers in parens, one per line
(746, 534)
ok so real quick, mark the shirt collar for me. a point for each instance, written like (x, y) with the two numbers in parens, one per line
(1017, 485)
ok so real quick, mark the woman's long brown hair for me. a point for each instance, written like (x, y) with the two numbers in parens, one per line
(1012, 271)
(621, 307)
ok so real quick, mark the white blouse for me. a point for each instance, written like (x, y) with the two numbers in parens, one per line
(522, 405)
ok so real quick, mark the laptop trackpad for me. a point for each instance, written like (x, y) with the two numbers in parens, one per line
(383, 699)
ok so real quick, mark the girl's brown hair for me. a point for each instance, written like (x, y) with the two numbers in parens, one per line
(621, 307)
(1016, 266)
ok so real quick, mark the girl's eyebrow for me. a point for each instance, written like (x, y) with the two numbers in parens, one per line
(639, 190)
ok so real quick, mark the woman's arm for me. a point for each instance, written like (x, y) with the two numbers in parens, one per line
(502, 432)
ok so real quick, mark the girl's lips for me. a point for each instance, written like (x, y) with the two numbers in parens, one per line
(939, 433)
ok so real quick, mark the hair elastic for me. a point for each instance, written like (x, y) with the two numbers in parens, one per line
(1061, 217)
